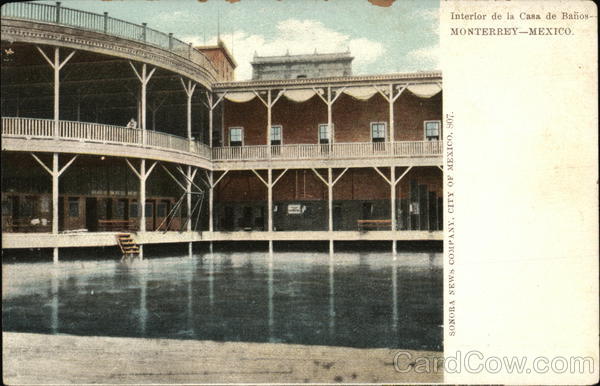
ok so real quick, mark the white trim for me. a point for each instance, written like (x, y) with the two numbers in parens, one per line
(229, 134)
(280, 133)
(425, 129)
(385, 130)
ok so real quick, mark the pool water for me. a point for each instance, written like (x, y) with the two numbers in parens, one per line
(351, 299)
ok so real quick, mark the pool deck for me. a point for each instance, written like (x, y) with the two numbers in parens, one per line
(44, 359)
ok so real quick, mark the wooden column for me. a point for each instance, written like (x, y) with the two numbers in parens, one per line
(55, 172)
(269, 183)
(269, 106)
(329, 119)
(189, 179)
(270, 198)
(330, 199)
(143, 175)
(189, 91)
(142, 196)
(144, 78)
(56, 66)
(211, 199)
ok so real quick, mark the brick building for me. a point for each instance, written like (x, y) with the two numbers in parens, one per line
(305, 151)
(301, 66)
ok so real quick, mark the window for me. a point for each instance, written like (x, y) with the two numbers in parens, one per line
(236, 136)
(323, 133)
(432, 130)
(378, 131)
(161, 209)
(275, 135)
(133, 209)
(73, 206)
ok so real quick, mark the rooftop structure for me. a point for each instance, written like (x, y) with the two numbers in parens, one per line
(301, 66)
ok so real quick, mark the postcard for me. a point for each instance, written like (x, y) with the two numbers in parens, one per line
(285, 192)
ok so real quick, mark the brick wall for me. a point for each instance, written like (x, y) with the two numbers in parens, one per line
(351, 118)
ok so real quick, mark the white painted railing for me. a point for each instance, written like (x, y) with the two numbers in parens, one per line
(96, 132)
(57, 14)
(336, 151)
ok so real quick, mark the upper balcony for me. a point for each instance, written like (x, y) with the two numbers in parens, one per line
(29, 134)
(55, 25)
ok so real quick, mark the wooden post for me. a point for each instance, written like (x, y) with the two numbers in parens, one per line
(211, 198)
(56, 68)
(391, 118)
(393, 197)
(330, 199)
(55, 175)
(142, 196)
(144, 78)
(270, 198)
(143, 97)
(269, 106)
(329, 119)
(210, 119)
(189, 201)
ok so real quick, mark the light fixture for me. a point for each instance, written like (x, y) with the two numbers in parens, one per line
(102, 158)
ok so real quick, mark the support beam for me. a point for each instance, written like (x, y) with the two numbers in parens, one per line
(144, 78)
(189, 91)
(270, 201)
(269, 103)
(330, 201)
(211, 107)
(55, 176)
(55, 173)
(189, 201)
(143, 175)
(211, 197)
(56, 65)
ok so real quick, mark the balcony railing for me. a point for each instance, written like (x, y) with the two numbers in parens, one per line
(57, 14)
(335, 151)
(100, 133)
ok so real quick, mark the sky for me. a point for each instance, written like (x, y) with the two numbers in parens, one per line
(400, 38)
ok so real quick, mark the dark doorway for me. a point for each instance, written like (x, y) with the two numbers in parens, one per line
(15, 207)
(109, 209)
(61, 214)
(246, 217)
(367, 210)
(259, 221)
(91, 214)
(337, 217)
(228, 220)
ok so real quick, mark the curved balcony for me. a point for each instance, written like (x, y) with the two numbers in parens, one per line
(96, 138)
(101, 139)
(57, 25)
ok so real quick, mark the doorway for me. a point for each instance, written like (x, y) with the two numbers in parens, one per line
(91, 214)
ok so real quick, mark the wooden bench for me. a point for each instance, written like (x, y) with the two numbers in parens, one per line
(116, 225)
(25, 225)
(364, 225)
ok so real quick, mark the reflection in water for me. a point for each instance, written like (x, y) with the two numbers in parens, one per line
(341, 299)
(143, 313)
(331, 296)
(54, 303)
(270, 298)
